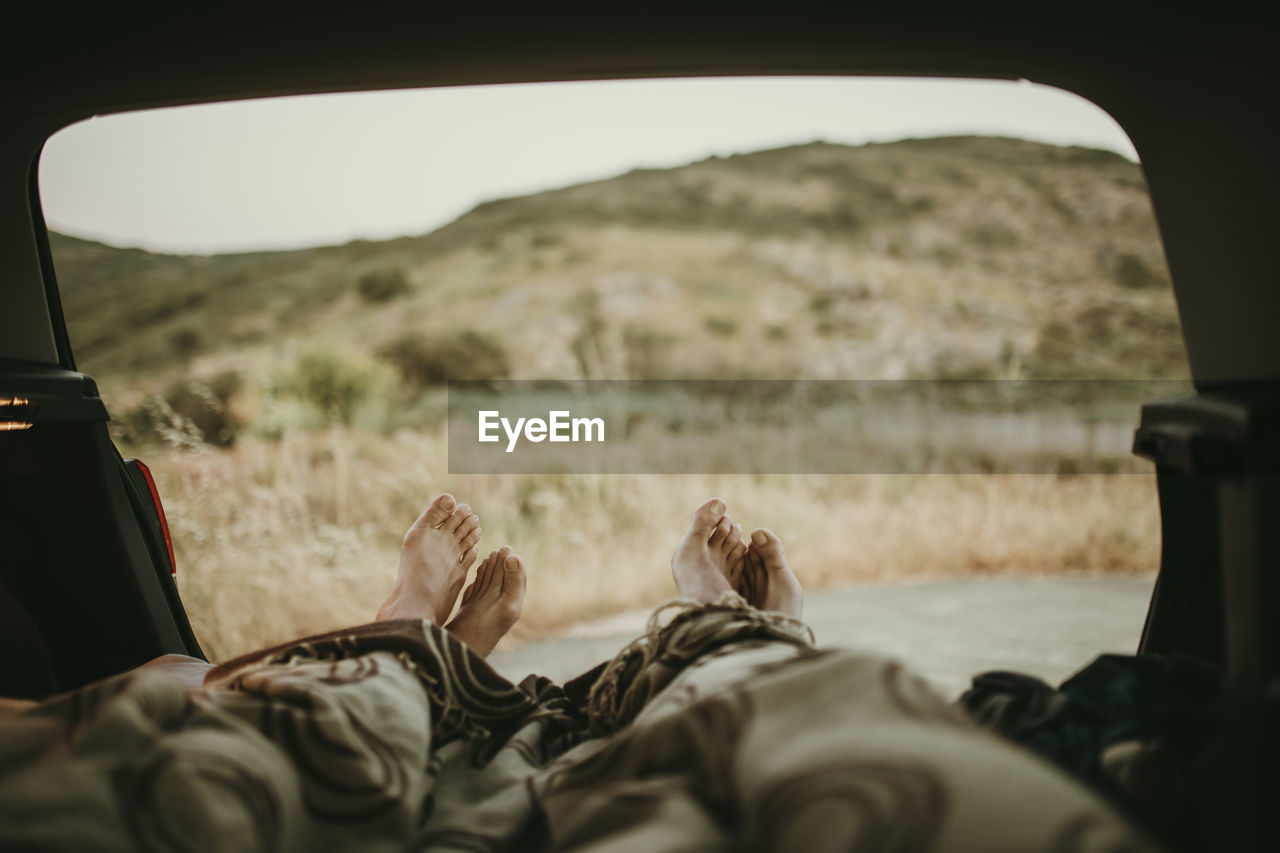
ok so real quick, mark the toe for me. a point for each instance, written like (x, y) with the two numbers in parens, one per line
(484, 576)
(721, 533)
(734, 566)
(733, 539)
(470, 540)
(736, 552)
(482, 572)
(456, 519)
(469, 524)
(438, 511)
(765, 543)
(706, 517)
(493, 578)
(513, 585)
(468, 558)
(756, 582)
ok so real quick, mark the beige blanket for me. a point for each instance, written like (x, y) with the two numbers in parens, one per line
(722, 730)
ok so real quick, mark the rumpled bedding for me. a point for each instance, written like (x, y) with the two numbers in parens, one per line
(722, 728)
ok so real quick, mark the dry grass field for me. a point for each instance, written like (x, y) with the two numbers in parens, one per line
(279, 539)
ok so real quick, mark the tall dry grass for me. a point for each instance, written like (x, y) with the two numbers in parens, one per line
(276, 540)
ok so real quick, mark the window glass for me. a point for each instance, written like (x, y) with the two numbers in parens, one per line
(274, 294)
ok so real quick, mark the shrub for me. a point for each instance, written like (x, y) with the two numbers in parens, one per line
(332, 384)
(590, 344)
(722, 326)
(184, 340)
(187, 414)
(225, 384)
(468, 354)
(200, 404)
(154, 421)
(280, 416)
(325, 387)
(993, 235)
(646, 352)
(821, 302)
(383, 285)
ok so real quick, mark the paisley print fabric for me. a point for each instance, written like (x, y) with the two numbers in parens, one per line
(722, 728)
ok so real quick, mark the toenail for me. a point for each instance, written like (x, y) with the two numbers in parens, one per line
(758, 538)
(717, 507)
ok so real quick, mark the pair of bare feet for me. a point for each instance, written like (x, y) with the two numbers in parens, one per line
(440, 548)
(712, 559)
(438, 551)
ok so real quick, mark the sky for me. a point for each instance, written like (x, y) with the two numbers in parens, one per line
(297, 172)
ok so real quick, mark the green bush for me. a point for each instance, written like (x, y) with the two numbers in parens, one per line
(198, 403)
(188, 413)
(333, 384)
(821, 302)
(185, 340)
(154, 421)
(723, 326)
(468, 354)
(225, 384)
(324, 387)
(383, 285)
(280, 416)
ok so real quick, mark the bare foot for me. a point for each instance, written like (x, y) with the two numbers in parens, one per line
(706, 556)
(492, 604)
(437, 551)
(766, 580)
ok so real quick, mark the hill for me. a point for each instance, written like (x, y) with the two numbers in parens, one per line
(960, 256)
(931, 257)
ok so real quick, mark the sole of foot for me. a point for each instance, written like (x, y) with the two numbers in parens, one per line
(438, 550)
(708, 554)
(492, 603)
(768, 580)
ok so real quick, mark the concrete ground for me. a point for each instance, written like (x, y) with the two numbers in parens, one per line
(948, 631)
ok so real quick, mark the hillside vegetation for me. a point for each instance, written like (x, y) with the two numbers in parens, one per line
(935, 257)
(318, 373)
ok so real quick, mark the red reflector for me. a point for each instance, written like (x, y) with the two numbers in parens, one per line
(164, 522)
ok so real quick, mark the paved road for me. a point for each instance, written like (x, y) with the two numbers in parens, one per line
(1048, 627)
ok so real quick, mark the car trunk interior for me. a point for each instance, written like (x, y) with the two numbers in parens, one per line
(85, 587)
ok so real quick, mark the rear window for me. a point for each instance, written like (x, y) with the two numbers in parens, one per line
(275, 295)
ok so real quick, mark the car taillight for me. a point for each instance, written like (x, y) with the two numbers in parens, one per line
(164, 522)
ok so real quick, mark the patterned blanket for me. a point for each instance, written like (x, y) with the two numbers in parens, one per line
(722, 728)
